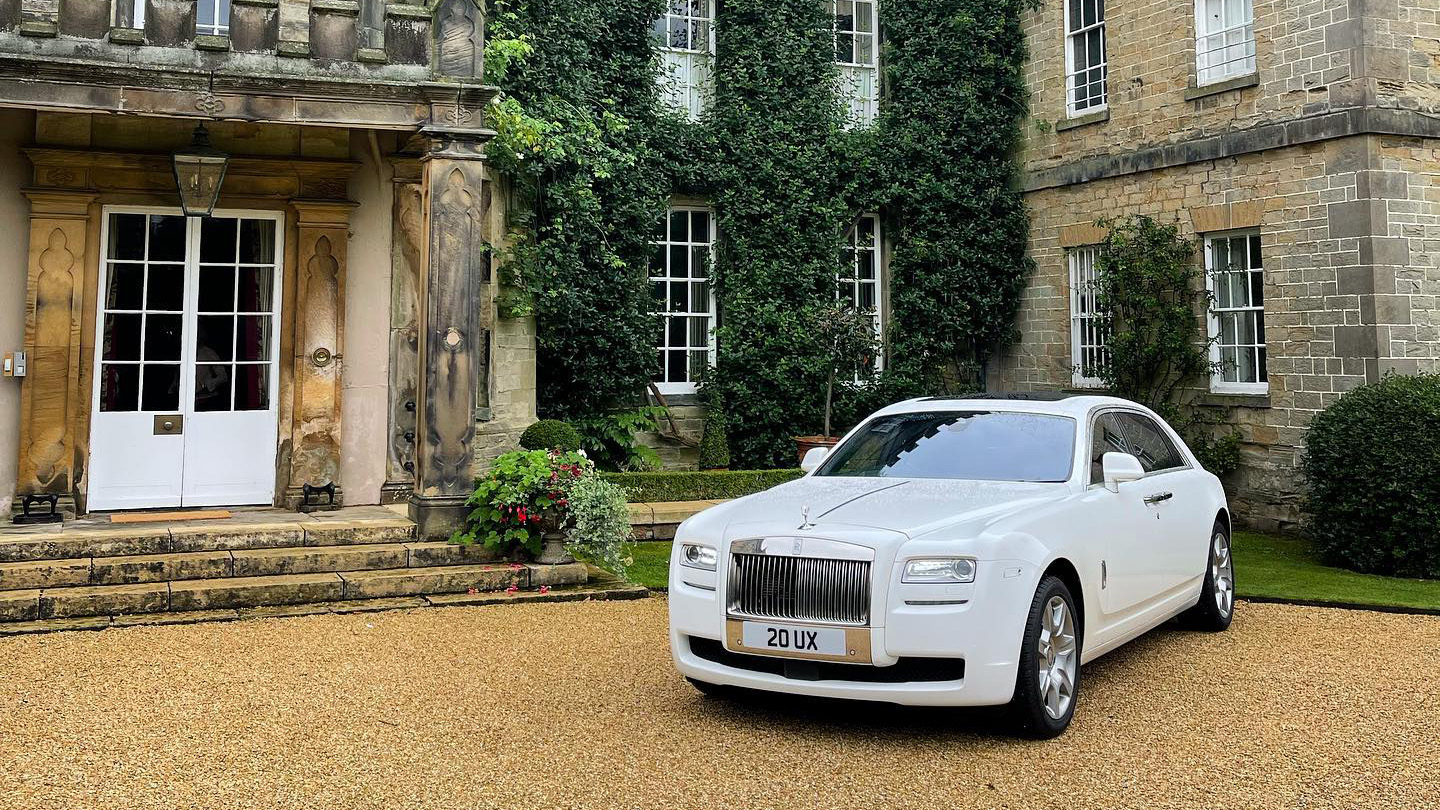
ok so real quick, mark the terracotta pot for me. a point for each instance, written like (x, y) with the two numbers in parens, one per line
(804, 444)
(553, 552)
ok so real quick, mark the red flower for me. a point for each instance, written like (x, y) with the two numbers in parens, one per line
(544, 589)
(472, 592)
(511, 589)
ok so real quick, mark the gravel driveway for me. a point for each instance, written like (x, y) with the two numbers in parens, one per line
(576, 705)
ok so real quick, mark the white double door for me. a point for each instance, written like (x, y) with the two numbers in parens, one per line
(187, 354)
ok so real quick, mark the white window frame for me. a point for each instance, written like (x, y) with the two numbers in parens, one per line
(127, 13)
(1256, 260)
(221, 10)
(1086, 333)
(859, 79)
(848, 278)
(1079, 37)
(688, 70)
(667, 277)
(1233, 28)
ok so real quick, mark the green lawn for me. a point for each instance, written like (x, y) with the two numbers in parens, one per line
(1270, 567)
(1280, 568)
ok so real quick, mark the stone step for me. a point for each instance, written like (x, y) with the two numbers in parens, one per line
(253, 562)
(279, 590)
(94, 541)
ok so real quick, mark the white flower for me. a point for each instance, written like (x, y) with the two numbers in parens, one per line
(583, 454)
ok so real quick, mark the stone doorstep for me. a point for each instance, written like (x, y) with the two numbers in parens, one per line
(104, 600)
(44, 574)
(160, 567)
(229, 538)
(19, 606)
(90, 543)
(318, 559)
(440, 552)
(249, 592)
(352, 532)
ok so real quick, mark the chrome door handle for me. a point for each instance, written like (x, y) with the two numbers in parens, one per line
(1158, 497)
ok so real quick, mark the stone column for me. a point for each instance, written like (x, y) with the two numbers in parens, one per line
(408, 229)
(54, 308)
(324, 233)
(451, 339)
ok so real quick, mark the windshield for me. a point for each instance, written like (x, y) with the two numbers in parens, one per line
(964, 445)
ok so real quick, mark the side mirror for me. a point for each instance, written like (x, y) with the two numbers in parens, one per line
(813, 457)
(1119, 468)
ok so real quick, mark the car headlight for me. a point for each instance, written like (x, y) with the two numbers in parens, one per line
(694, 555)
(939, 570)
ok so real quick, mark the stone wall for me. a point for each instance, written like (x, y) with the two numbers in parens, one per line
(679, 455)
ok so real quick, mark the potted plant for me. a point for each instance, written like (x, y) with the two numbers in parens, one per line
(848, 344)
(544, 503)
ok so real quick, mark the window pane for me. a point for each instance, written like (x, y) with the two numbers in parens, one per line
(127, 284)
(699, 258)
(864, 49)
(699, 296)
(679, 261)
(217, 289)
(252, 387)
(677, 296)
(119, 387)
(122, 337)
(675, 327)
(657, 292)
(162, 337)
(212, 387)
(1148, 442)
(865, 261)
(679, 226)
(676, 366)
(700, 226)
(205, 13)
(698, 362)
(166, 290)
(699, 331)
(161, 390)
(217, 240)
(127, 236)
(214, 338)
(253, 339)
(845, 48)
(867, 297)
(257, 289)
(1074, 15)
(679, 33)
(167, 239)
(257, 241)
(865, 17)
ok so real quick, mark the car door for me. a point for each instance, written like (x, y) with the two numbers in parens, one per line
(1174, 493)
(1130, 565)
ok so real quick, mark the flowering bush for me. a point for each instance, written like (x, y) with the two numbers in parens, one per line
(522, 498)
(530, 493)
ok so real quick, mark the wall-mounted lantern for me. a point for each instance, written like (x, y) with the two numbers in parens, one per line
(199, 171)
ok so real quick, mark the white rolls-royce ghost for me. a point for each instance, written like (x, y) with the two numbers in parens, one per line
(956, 552)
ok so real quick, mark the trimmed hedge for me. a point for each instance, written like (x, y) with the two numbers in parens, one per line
(1372, 462)
(658, 487)
(551, 434)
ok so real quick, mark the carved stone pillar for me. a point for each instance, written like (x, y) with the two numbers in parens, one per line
(324, 233)
(451, 339)
(408, 229)
(55, 295)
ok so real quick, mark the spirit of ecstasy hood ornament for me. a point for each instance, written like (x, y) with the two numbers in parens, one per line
(805, 518)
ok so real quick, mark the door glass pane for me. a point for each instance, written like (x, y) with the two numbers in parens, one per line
(166, 290)
(217, 289)
(257, 289)
(212, 387)
(122, 337)
(253, 338)
(252, 387)
(162, 337)
(127, 285)
(257, 241)
(217, 240)
(214, 338)
(119, 387)
(161, 390)
(167, 239)
(127, 237)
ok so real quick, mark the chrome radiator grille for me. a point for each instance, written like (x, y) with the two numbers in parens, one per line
(801, 588)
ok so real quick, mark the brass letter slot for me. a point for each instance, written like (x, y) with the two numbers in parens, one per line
(169, 424)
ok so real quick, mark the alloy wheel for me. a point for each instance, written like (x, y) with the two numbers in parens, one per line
(1222, 573)
(1057, 662)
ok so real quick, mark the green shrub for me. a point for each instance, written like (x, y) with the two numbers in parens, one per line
(657, 487)
(714, 441)
(551, 434)
(1372, 463)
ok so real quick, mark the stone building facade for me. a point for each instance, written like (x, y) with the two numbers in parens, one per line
(350, 339)
(1298, 137)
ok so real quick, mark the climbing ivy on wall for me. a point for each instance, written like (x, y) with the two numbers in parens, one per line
(588, 144)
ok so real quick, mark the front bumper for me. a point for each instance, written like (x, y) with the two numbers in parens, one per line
(980, 637)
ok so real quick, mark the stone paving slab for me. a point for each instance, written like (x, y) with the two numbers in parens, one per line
(311, 560)
(442, 553)
(213, 537)
(443, 579)
(19, 606)
(161, 567)
(348, 532)
(248, 592)
(44, 574)
(104, 600)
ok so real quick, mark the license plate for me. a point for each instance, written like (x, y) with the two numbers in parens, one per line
(784, 638)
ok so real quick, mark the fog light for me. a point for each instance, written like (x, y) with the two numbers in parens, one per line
(693, 555)
(941, 570)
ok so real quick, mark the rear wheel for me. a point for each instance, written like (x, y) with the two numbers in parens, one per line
(1216, 607)
(1049, 679)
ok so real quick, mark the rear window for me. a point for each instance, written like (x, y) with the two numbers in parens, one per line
(962, 445)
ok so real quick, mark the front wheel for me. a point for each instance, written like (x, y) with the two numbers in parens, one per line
(1049, 679)
(1216, 607)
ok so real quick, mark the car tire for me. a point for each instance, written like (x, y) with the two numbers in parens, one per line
(1216, 608)
(1048, 683)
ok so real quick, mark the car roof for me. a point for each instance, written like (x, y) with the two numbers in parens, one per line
(1048, 402)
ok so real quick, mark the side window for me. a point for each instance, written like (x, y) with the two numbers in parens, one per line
(1105, 438)
(1149, 443)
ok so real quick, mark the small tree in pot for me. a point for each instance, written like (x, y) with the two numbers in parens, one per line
(846, 339)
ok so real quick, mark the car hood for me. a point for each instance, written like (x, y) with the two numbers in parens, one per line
(910, 506)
